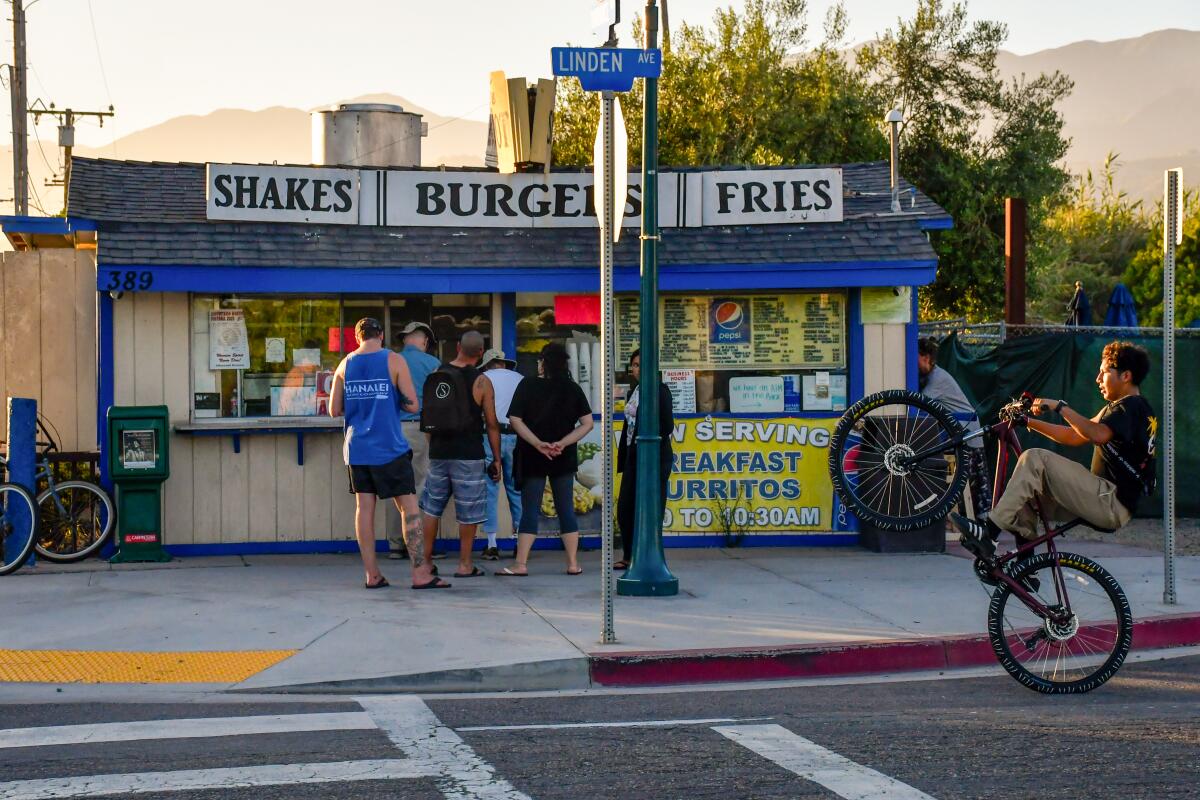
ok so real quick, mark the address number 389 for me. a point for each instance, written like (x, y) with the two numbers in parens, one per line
(129, 281)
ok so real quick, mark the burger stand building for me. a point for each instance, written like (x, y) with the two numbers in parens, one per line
(229, 293)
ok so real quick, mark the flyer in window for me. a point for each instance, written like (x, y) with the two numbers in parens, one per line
(682, 383)
(276, 350)
(228, 344)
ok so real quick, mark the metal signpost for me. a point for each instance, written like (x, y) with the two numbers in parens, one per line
(1172, 237)
(607, 70)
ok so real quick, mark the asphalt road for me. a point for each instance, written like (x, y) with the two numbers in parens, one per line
(1137, 737)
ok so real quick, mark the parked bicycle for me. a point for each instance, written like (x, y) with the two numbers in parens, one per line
(1058, 622)
(74, 517)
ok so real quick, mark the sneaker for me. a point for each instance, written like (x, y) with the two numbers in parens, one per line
(491, 554)
(976, 537)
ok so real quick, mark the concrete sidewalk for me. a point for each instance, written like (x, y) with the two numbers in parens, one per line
(741, 614)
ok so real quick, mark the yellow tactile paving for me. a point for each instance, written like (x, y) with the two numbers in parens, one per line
(98, 666)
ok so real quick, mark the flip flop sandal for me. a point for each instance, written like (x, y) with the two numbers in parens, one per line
(379, 584)
(508, 573)
(576, 572)
(434, 583)
(621, 565)
(474, 573)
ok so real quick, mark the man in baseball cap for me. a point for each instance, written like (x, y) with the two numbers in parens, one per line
(418, 339)
(501, 371)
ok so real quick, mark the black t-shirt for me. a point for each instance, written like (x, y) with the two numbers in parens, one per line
(551, 409)
(465, 445)
(1127, 459)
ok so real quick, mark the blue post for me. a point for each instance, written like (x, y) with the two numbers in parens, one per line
(22, 456)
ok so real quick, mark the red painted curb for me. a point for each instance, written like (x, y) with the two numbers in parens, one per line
(828, 660)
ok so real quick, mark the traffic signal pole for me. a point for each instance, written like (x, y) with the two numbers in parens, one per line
(648, 575)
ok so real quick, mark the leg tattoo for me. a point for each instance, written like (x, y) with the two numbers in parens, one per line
(414, 539)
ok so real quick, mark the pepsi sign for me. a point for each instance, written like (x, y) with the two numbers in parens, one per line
(729, 320)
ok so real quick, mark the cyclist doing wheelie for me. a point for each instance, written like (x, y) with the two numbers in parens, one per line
(1123, 436)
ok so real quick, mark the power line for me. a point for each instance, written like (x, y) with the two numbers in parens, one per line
(103, 75)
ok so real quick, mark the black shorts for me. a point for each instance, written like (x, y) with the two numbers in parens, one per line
(384, 480)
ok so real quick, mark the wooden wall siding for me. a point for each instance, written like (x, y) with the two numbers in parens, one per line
(884, 358)
(216, 496)
(48, 339)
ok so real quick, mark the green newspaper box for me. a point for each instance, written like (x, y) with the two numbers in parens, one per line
(138, 462)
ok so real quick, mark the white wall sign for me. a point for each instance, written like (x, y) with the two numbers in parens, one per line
(755, 395)
(282, 194)
(228, 346)
(682, 383)
(763, 197)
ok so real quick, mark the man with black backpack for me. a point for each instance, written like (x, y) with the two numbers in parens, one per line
(457, 405)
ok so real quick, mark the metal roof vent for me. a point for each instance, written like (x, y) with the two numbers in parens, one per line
(367, 135)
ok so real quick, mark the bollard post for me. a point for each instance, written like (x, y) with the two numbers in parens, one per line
(22, 454)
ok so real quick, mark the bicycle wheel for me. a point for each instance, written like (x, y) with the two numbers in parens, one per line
(1072, 655)
(18, 521)
(871, 460)
(76, 518)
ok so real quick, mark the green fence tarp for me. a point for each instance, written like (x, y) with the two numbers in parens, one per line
(1064, 366)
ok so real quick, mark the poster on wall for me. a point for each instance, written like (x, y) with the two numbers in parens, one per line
(228, 345)
(888, 305)
(276, 350)
(682, 383)
(762, 475)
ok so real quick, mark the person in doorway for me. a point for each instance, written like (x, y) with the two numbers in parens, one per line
(627, 450)
(418, 338)
(370, 385)
(457, 466)
(501, 373)
(550, 415)
(1122, 436)
(940, 385)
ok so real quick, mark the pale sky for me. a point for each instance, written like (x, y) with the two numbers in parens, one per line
(157, 59)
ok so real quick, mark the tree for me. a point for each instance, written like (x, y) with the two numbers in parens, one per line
(968, 141)
(1089, 234)
(738, 94)
(1145, 272)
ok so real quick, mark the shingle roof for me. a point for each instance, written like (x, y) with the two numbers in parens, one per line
(154, 213)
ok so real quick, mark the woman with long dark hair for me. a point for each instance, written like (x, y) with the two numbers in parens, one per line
(550, 415)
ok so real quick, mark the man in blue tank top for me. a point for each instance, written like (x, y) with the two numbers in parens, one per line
(370, 387)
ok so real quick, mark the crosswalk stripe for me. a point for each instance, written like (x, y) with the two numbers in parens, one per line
(649, 723)
(225, 778)
(815, 763)
(421, 736)
(182, 729)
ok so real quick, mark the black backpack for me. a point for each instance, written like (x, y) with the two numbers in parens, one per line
(446, 402)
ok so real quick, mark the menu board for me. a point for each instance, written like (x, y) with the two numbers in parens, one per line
(629, 328)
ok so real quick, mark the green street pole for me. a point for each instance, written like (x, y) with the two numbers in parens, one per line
(648, 574)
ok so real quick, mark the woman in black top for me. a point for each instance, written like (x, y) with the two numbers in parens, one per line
(550, 415)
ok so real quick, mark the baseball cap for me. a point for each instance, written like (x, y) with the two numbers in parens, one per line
(496, 355)
(368, 328)
(418, 326)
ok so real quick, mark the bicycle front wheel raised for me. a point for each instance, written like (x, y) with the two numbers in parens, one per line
(76, 518)
(18, 522)
(1078, 650)
(896, 459)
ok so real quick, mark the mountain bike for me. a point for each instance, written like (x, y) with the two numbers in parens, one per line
(75, 517)
(1058, 622)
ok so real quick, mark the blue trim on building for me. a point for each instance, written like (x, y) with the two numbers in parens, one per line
(546, 542)
(449, 280)
(105, 389)
(940, 223)
(911, 332)
(857, 356)
(60, 226)
(508, 323)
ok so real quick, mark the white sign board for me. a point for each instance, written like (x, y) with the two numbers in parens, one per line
(682, 383)
(228, 345)
(772, 196)
(755, 395)
(240, 192)
(620, 153)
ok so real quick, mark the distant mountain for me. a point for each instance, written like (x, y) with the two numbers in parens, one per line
(1136, 97)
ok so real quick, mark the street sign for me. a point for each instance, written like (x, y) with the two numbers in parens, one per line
(620, 166)
(610, 69)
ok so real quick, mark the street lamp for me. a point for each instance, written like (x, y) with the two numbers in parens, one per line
(893, 119)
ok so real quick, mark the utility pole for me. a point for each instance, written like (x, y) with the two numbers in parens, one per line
(66, 135)
(17, 92)
(648, 574)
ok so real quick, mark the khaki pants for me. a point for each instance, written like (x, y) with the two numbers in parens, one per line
(419, 443)
(1065, 489)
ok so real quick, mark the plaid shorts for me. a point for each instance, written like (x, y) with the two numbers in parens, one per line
(466, 480)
